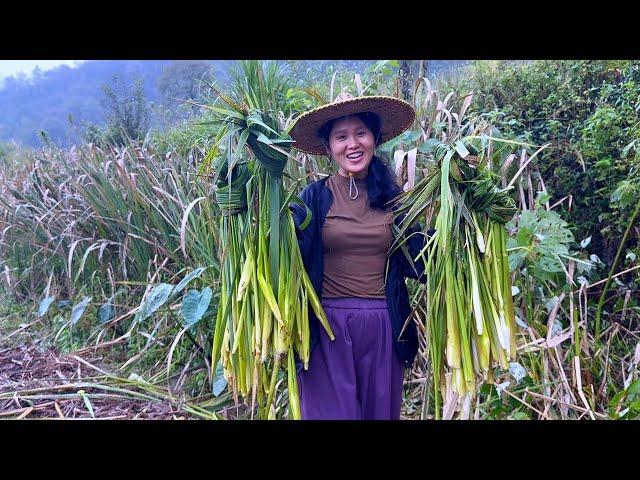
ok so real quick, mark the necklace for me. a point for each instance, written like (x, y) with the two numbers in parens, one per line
(352, 184)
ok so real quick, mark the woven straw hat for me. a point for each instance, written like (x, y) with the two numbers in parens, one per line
(395, 117)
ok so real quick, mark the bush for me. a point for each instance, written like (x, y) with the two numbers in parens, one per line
(590, 113)
(126, 110)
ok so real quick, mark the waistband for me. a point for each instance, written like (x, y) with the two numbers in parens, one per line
(357, 303)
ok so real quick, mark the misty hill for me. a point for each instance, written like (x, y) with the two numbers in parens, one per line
(61, 101)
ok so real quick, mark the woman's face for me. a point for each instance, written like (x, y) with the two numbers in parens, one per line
(351, 145)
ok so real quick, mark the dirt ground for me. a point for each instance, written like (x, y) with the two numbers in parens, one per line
(39, 383)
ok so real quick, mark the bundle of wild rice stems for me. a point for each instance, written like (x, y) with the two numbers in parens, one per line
(262, 321)
(470, 319)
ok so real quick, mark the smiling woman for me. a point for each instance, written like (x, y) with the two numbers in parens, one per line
(345, 251)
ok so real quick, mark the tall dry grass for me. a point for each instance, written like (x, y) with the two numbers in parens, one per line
(87, 214)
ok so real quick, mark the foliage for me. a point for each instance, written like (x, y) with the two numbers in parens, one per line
(588, 110)
(541, 244)
(194, 136)
(181, 83)
(101, 220)
(182, 80)
(45, 100)
(626, 404)
(111, 222)
(94, 134)
(126, 110)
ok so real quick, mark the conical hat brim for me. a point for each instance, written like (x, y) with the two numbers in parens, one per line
(395, 115)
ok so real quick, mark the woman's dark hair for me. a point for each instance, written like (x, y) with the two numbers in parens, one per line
(381, 183)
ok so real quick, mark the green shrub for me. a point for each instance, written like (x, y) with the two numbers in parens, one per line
(590, 113)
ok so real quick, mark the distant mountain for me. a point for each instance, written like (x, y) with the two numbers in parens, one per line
(61, 100)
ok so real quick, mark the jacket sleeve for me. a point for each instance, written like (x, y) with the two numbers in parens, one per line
(299, 214)
(416, 241)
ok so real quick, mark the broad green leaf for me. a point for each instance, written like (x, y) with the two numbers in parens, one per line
(634, 389)
(194, 305)
(429, 145)
(281, 141)
(407, 137)
(549, 264)
(516, 259)
(106, 311)
(78, 310)
(219, 383)
(551, 303)
(595, 259)
(185, 281)
(412, 136)
(156, 298)
(626, 398)
(44, 305)
(64, 303)
(523, 237)
(517, 371)
(552, 248)
(625, 150)
(528, 220)
(584, 268)
(264, 139)
(543, 197)
(461, 149)
(212, 309)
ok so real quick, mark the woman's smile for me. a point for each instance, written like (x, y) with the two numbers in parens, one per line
(351, 145)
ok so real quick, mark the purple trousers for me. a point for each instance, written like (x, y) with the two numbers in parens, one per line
(358, 376)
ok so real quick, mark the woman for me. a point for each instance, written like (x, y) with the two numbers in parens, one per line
(345, 250)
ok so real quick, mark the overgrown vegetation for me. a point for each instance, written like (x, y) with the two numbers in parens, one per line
(588, 112)
(110, 246)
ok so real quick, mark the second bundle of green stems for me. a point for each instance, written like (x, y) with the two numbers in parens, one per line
(470, 316)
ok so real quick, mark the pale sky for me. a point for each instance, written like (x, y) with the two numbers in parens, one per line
(11, 67)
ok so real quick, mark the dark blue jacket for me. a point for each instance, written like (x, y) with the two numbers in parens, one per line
(319, 199)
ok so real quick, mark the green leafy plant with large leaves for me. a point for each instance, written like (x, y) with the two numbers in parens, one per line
(541, 244)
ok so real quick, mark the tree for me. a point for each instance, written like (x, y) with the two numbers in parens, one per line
(182, 81)
(410, 71)
(126, 110)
